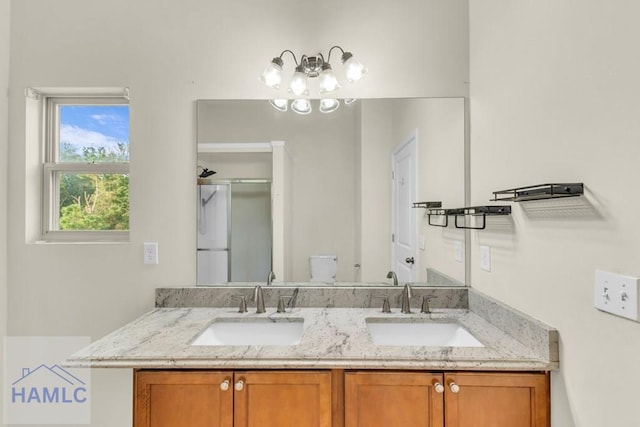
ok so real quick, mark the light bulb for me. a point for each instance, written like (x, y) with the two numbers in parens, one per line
(299, 82)
(301, 106)
(272, 75)
(327, 79)
(279, 104)
(328, 105)
(353, 69)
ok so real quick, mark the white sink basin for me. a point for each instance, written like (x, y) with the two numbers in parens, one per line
(429, 333)
(251, 332)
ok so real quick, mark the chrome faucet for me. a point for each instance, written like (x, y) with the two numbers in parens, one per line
(406, 299)
(290, 301)
(271, 277)
(258, 297)
(294, 298)
(392, 275)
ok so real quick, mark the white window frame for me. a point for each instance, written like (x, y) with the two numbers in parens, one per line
(52, 169)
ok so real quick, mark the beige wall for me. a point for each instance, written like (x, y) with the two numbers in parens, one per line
(4, 176)
(439, 126)
(554, 98)
(170, 54)
(374, 161)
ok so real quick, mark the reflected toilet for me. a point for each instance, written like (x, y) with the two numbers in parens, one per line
(323, 268)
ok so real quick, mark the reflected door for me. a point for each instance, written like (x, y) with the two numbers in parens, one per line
(404, 227)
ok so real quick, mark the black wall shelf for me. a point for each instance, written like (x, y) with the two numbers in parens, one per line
(438, 212)
(427, 205)
(539, 192)
(483, 211)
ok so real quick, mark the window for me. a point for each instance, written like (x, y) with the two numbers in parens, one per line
(86, 168)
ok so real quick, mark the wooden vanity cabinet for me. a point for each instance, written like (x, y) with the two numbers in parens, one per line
(232, 398)
(458, 399)
(291, 398)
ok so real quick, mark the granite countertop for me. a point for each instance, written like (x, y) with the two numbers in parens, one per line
(333, 337)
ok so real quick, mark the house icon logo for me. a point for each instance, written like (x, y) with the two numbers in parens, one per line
(48, 385)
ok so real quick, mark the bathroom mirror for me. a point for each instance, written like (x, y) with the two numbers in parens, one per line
(342, 184)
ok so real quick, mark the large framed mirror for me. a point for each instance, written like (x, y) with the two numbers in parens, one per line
(341, 187)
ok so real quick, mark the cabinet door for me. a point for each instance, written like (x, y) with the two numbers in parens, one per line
(407, 399)
(282, 399)
(183, 398)
(497, 400)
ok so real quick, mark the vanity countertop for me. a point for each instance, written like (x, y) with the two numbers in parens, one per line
(332, 338)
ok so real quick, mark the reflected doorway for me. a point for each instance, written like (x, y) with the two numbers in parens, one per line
(234, 231)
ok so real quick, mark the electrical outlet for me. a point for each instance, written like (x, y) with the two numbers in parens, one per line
(616, 294)
(485, 258)
(150, 252)
(457, 250)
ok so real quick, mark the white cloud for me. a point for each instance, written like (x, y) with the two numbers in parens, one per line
(79, 138)
(105, 119)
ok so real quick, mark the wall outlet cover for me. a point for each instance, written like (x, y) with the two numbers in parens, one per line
(616, 294)
(150, 252)
(485, 258)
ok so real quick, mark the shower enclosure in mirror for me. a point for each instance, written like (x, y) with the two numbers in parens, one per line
(234, 230)
(332, 182)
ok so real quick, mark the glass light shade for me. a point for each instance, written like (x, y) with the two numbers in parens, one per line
(349, 101)
(272, 75)
(328, 105)
(353, 69)
(279, 104)
(299, 83)
(327, 80)
(301, 106)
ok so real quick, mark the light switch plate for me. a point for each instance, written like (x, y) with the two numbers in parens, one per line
(150, 252)
(422, 242)
(457, 250)
(616, 294)
(485, 258)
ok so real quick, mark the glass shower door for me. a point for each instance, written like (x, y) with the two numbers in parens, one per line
(234, 232)
(213, 233)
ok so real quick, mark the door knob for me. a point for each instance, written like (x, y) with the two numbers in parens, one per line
(438, 387)
(409, 260)
(224, 385)
(455, 388)
(239, 385)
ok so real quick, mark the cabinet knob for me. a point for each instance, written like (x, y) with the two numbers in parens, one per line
(239, 385)
(439, 388)
(455, 388)
(224, 385)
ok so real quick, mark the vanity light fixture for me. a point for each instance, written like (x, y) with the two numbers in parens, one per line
(311, 67)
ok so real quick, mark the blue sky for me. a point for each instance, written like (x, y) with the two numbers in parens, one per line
(94, 126)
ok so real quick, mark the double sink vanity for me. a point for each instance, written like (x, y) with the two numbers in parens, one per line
(333, 358)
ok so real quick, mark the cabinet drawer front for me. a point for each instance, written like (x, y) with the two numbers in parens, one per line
(283, 399)
(393, 399)
(497, 400)
(182, 398)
